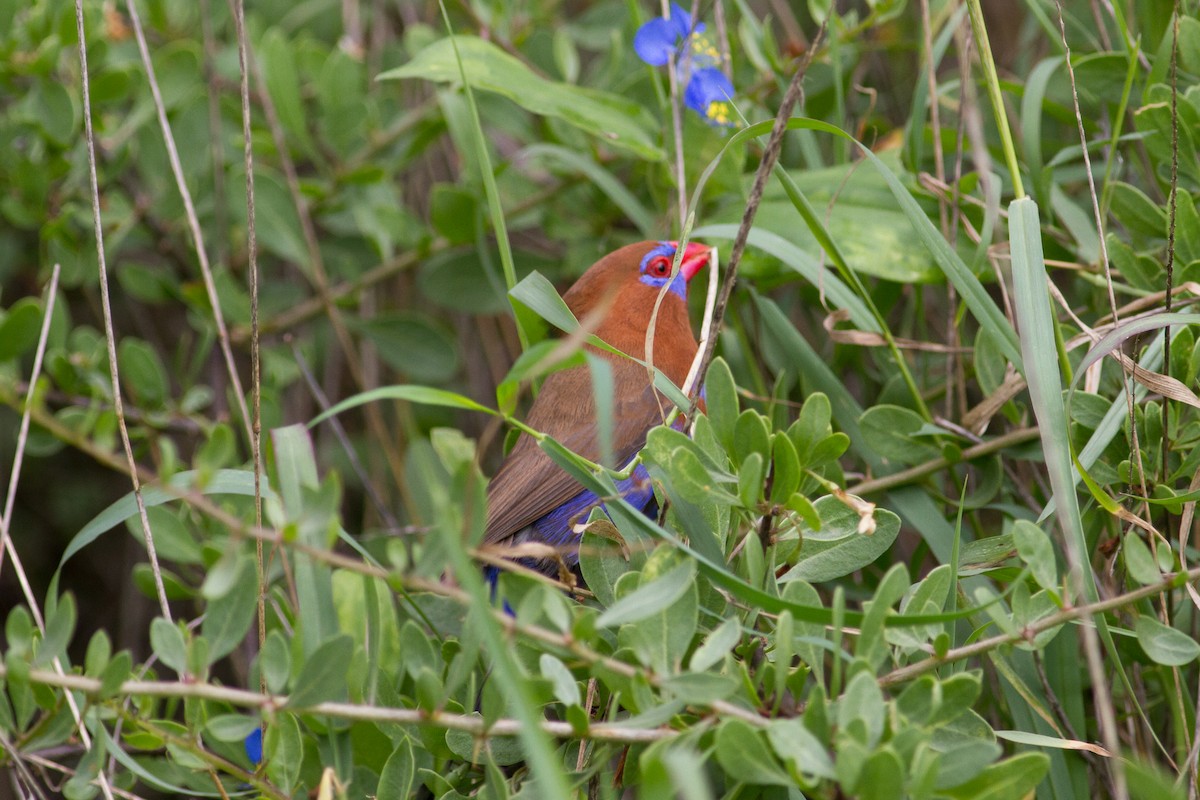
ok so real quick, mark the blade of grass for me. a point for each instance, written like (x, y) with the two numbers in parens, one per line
(489, 186)
(1032, 304)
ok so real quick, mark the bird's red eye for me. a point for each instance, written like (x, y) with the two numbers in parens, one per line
(660, 267)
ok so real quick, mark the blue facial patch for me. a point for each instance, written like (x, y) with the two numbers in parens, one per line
(667, 250)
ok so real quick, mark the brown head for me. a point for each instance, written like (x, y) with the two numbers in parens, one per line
(627, 283)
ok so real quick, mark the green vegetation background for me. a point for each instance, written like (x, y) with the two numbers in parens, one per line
(1016, 614)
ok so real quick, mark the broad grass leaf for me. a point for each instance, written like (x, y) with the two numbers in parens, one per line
(225, 481)
(413, 394)
(172, 539)
(851, 194)
(616, 121)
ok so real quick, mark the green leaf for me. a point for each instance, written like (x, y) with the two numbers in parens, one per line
(566, 689)
(412, 394)
(721, 400)
(862, 701)
(323, 676)
(845, 195)
(891, 431)
(283, 748)
(60, 626)
(1139, 561)
(225, 481)
(54, 110)
(283, 84)
(172, 540)
(800, 749)
(601, 179)
(19, 328)
(115, 674)
(412, 344)
(751, 478)
(618, 122)
(602, 560)
(882, 776)
(750, 436)
(142, 372)
(742, 753)
(785, 469)
(454, 212)
(228, 618)
(650, 598)
(812, 426)
(1187, 228)
(500, 750)
(536, 292)
(275, 662)
(98, 654)
(1035, 549)
(1137, 212)
(396, 780)
(231, 727)
(837, 548)
(716, 645)
(1166, 646)
(167, 642)
(1012, 779)
(1141, 272)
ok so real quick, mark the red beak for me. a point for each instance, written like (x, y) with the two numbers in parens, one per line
(695, 257)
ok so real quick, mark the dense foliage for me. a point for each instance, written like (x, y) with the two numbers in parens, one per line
(933, 535)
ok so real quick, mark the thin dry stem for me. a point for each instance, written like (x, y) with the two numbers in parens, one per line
(765, 167)
(319, 278)
(677, 131)
(239, 17)
(23, 432)
(210, 286)
(106, 306)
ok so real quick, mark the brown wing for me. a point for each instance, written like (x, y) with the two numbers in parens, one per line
(529, 484)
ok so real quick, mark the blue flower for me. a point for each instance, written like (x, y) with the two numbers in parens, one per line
(663, 41)
(708, 94)
(254, 745)
(657, 40)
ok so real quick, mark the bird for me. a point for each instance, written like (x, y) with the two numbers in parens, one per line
(532, 499)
